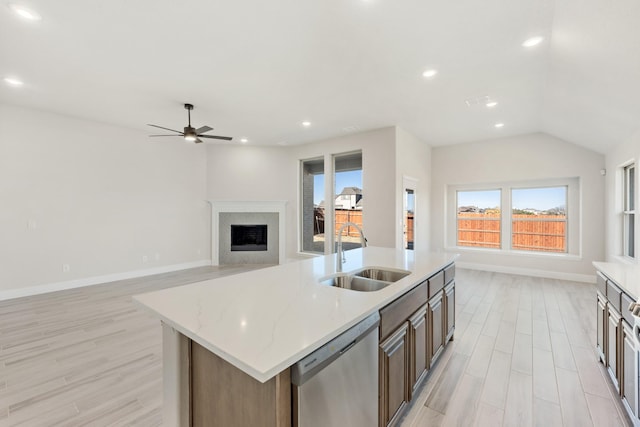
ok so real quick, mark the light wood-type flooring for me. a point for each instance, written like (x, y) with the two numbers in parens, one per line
(523, 355)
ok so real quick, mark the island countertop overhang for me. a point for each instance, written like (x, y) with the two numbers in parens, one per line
(265, 320)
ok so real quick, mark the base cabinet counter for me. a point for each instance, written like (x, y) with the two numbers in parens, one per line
(230, 344)
(617, 330)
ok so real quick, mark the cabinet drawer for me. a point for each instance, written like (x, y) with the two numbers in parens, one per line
(624, 308)
(436, 283)
(399, 311)
(601, 284)
(449, 273)
(613, 295)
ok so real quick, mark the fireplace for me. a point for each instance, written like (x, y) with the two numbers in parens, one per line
(248, 237)
(245, 232)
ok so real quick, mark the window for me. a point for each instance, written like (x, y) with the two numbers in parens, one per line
(629, 173)
(344, 179)
(478, 218)
(312, 205)
(539, 219)
(348, 191)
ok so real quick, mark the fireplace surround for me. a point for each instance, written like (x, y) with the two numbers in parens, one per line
(270, 214)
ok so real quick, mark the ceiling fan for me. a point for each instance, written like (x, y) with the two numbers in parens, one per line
(190, 133)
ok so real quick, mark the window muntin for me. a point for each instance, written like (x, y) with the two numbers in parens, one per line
(629, 173)
(478, 219)
(539, 219)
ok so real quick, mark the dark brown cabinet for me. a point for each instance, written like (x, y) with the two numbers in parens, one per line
(436, 337)
(601, 336)
(418, 363)
(394, 375)
(628, 364)
(616, 344)
(450, 310)
(412, 335)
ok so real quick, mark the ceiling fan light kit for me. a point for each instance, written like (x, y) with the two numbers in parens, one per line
(190, 133)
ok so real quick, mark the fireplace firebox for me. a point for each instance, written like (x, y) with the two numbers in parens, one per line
(248, 237)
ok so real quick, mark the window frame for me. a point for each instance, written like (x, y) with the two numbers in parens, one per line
(500, 225)
(574, 217)
(538, 219)
(628, 212)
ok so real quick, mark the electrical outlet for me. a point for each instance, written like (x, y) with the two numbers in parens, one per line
(32, 224)
(145, 258)
(199, 252)
(157, 256)
(66, 268)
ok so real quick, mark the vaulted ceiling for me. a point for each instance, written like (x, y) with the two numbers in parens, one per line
(257, 69)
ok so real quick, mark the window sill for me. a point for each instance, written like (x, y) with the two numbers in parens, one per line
(559, 256)
(625, 260)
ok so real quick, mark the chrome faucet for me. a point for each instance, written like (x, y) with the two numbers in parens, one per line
(340, 258)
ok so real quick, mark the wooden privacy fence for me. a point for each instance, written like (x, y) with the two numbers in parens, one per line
(545, 233)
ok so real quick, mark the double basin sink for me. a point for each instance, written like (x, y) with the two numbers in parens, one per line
(367, 279)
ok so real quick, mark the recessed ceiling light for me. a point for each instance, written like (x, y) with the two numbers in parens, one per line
(429, 73)
(306, 124)
(533, 41)
(499, 125)
(244, 140)
(24, 12)
(12, 81)
(491, 104)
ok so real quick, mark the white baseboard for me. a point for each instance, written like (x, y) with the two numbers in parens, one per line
(96, 280)
(574, 277)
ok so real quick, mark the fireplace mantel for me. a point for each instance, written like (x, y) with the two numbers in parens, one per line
(230, 206)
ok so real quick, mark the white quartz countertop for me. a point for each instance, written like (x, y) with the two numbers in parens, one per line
(627, 276)
(265, 320)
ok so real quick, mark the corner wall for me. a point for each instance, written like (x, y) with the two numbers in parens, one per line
(624, 152)
(527, 157)
(97, 198)
(413, 160)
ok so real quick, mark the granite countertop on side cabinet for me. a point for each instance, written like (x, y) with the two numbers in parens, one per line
(627, 276)
(263, 321)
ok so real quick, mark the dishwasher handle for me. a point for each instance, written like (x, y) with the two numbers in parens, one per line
(310, 365)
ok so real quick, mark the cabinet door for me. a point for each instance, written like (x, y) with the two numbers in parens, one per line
(613, 345)
(435, 319)
(394, 376)
(629, 371)
(418, 362)
(601, 336)
(450, 310)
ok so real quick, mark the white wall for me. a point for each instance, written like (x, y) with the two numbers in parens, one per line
(624, 152)
(100, 198)
(528, 157)
(413, 159)
(378, 180)
(272, 173)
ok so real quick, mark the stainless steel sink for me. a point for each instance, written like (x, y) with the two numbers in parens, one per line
(368, 279)
(386, 275)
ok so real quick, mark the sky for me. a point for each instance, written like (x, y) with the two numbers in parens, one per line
(523, 198)
(343, 179)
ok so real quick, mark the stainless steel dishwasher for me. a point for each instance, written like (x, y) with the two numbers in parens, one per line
(337, 385)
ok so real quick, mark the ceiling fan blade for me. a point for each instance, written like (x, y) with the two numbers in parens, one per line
(198, 140)
(163, 135)
(160, 127)
(203, 129)
(226, 138)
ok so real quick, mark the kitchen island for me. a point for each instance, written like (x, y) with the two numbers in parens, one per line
(230, 341)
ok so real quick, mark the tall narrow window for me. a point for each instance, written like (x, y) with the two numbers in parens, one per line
(348, 198)
(478, 218)
(629, 211)
(313, 205)
(539, 219)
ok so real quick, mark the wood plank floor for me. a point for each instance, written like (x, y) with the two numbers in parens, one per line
(523, 355)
